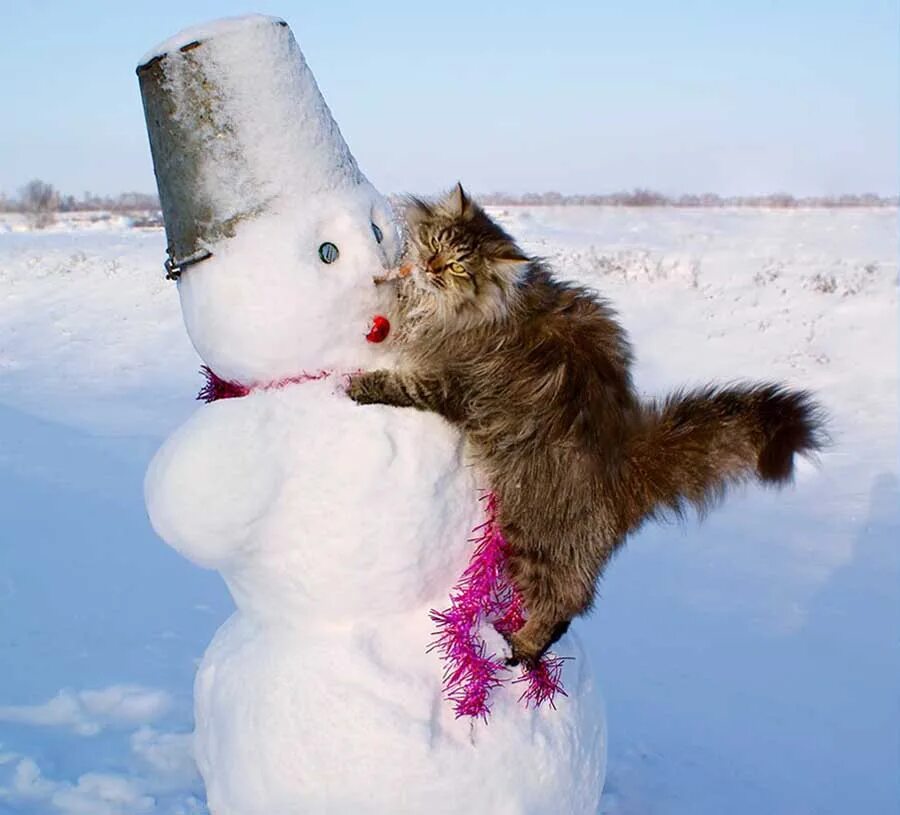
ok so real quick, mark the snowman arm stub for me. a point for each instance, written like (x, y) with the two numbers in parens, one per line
(400, 389)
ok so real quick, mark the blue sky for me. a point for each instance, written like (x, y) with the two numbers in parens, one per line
(734, 97)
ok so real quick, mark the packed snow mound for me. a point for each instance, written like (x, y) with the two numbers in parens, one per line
(265, 307)
(337, 528)
(301, 511)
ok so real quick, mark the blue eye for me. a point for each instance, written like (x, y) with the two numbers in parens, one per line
(328, 252)
(379, 235)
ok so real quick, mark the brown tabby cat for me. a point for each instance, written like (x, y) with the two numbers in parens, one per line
(535, 372)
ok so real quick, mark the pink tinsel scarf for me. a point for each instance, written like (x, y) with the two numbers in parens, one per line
(217, 388)
(484, 593)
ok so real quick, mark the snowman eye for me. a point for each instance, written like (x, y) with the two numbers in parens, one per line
(328, 252)
(379, 235)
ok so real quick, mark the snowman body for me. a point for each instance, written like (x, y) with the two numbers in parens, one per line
(336, 527)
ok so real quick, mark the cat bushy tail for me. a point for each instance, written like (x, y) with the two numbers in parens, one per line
(688, 448)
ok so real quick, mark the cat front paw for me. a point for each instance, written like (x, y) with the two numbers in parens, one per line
(367, 387)
(523, 651)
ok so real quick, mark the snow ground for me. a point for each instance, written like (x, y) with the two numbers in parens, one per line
(750, 664)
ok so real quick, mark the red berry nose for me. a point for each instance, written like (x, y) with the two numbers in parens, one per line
(381, 327)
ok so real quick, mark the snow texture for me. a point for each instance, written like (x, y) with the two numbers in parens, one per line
(88, 712)
(211, 29)
(749, 664)
(335, 527)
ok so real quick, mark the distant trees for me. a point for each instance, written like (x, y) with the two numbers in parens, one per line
(123, 202)
(40, 202)
(650, 198)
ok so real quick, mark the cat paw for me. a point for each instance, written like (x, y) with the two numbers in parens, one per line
(523, 651)
(363, 388)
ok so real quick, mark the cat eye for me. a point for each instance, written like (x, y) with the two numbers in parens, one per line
(328, 252)
(379, 235)
(457, 269)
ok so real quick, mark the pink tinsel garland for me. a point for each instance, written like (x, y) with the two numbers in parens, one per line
(217, 388)
(484, 593)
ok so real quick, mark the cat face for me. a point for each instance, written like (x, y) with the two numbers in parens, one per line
(462, 262)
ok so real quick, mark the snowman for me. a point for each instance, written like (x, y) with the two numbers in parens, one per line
(336, 527)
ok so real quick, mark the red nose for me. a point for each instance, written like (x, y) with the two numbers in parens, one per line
(381, 327)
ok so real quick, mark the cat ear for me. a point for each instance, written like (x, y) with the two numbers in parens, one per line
(416, 211)
(458, 202)
(510, 261)
(510, 253)
(510, 271)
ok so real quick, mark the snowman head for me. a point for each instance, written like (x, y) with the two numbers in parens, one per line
(274, 233)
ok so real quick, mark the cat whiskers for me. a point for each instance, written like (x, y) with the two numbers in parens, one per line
(393, 275)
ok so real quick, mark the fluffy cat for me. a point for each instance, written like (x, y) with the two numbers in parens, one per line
(536, 374)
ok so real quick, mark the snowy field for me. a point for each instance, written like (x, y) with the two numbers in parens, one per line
(749, 664)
